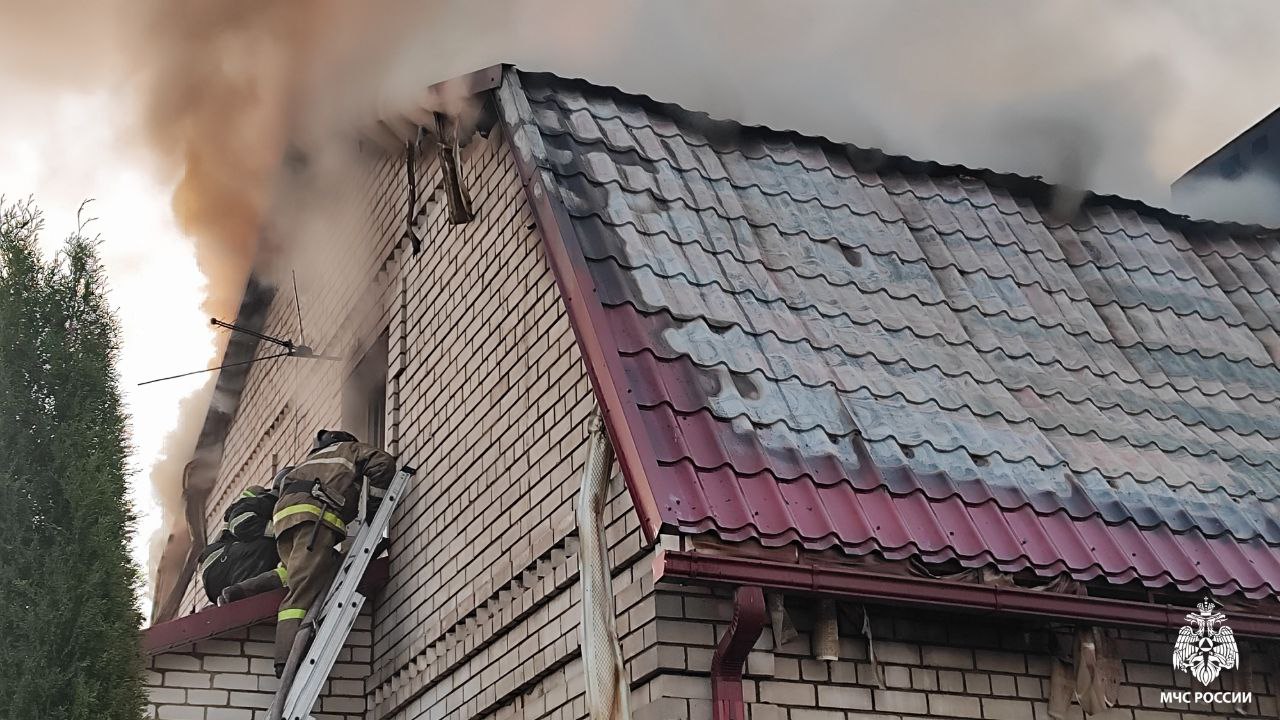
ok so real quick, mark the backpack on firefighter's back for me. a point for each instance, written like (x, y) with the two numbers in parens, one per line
(245, 548)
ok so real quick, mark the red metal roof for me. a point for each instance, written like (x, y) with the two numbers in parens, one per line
(797, 342)
(216, 621)
(211, 622)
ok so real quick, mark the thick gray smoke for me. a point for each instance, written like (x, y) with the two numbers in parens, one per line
(1116, 96)
(1251, 198)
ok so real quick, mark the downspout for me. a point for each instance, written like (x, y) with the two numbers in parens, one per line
(731, 654)
(608, 689)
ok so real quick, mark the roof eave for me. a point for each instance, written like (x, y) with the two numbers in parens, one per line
(219, 620)
(831, 580)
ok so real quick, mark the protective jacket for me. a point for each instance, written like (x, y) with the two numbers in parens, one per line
(326, 486)
(245, 547)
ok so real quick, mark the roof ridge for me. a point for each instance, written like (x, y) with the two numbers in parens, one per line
(1033, 186)
(1039, 219)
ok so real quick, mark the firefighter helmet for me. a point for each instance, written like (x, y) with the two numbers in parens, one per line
(325, 438)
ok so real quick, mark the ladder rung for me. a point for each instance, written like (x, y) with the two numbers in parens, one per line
(312, 682)
(340, 609)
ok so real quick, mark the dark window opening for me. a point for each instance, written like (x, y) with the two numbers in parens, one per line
(364, 396)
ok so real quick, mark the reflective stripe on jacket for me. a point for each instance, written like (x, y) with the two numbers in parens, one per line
(249, 517)
(338, 468)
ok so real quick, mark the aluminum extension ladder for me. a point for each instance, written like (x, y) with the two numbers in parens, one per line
(328, 624)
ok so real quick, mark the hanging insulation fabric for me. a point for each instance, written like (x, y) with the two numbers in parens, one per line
(606, 677)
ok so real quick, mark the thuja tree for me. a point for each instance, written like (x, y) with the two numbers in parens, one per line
(68, 611)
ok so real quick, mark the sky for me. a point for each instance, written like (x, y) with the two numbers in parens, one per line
(63, 156)
(1116, 95)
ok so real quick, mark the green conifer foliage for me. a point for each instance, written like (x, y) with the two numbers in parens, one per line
(68, 611)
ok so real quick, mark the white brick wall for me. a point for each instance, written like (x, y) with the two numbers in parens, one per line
(494, 402)
(232, 678)
(934, 665)
(488, 395)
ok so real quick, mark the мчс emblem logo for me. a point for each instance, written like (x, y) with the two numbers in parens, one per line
(1202, 648)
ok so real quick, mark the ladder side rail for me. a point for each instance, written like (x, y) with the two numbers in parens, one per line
(360, 554)
(330, 638)
(339, 600)
(320, 661)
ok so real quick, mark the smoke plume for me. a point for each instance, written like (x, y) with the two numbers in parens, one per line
(1250, 198)
(1120, 97)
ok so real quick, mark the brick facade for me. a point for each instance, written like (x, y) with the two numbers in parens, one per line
(931, 665)
(232, 678)
(488, 396)
(493, 403)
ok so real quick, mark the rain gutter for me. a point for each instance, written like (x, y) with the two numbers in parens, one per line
(862, 586)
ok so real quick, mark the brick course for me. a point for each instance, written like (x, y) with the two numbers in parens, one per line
(232, 678)
(933, 664)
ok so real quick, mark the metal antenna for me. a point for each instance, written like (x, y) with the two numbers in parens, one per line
(286, 344)
(290, 350)
(293, 399)
(302, 337)
(220, 367)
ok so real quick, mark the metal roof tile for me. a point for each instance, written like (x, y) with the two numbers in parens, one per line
(834, 348)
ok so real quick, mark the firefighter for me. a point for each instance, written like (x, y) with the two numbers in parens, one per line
(272, 575)
(318, 498)
(245, 547)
